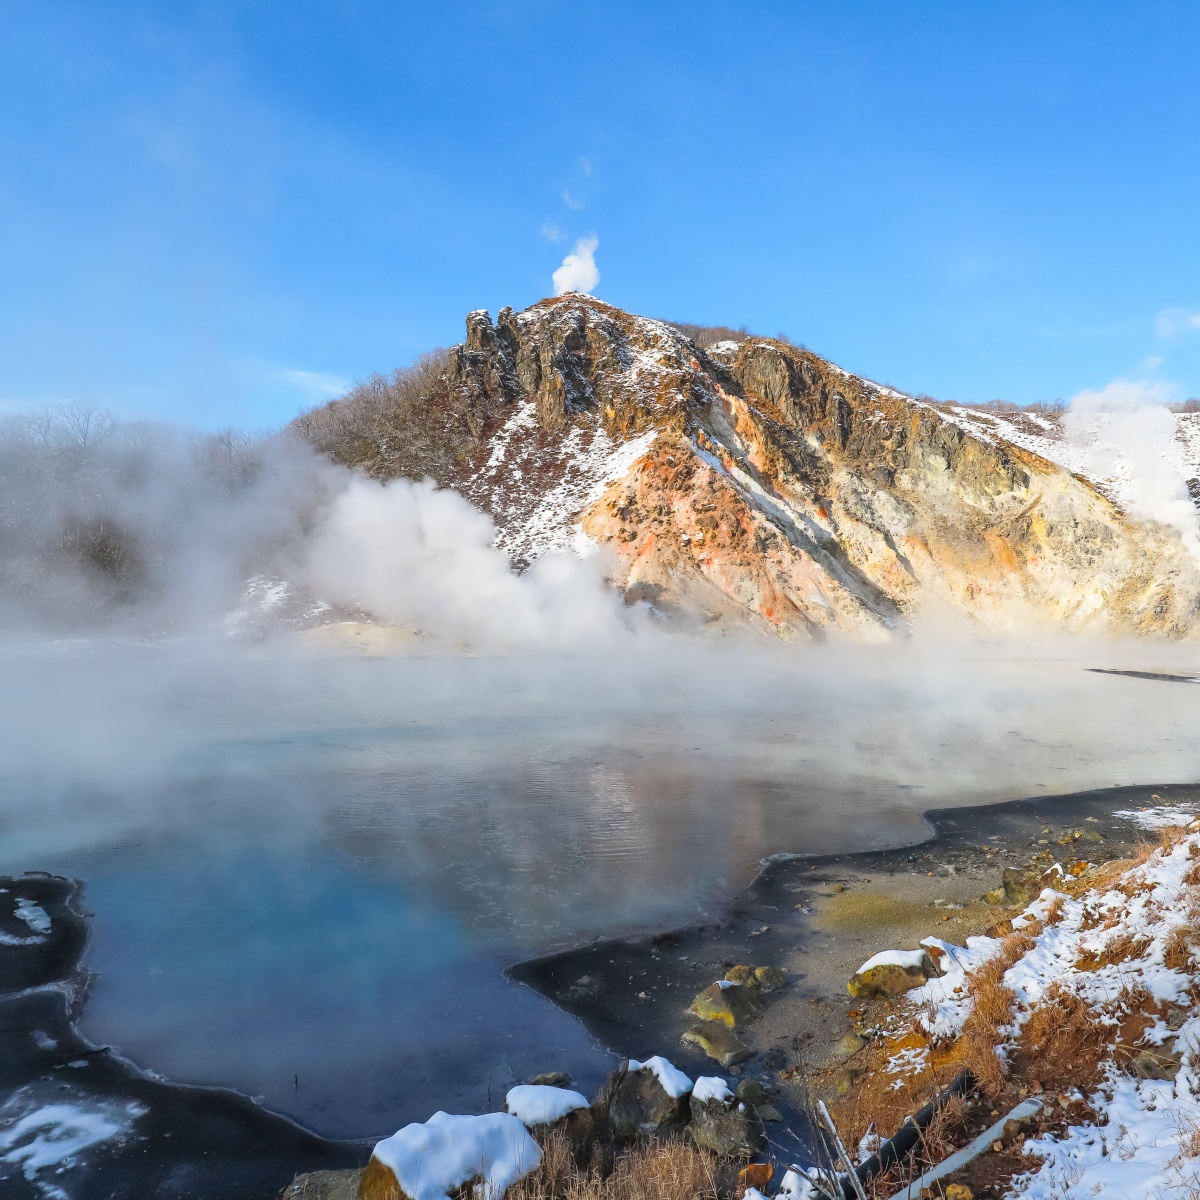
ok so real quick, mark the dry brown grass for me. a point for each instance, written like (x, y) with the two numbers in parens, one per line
(1143, 852)
(1178, 952)
(1064, 1041)
(673, 1170)
(992, 1008)
(1054, 910)
(378, 1183)
(1119, 949)
(1189, 1138)
(656, 1171)
(1169, 836)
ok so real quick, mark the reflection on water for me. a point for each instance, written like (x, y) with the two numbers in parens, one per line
(306, 877)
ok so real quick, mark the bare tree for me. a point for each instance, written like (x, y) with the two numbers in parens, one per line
(83, 424)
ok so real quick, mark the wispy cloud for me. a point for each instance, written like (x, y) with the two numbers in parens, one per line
(316, 385)
(585, 165)
(578, 272)
(551, 232)
(570, 201)
(1175, 322)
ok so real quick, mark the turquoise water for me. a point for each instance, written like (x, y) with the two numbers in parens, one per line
(307, 876)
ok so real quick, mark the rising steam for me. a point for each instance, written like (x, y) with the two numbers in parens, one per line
(578, 272)
(1129, 434)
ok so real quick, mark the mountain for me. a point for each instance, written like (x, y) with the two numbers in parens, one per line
(750, 481)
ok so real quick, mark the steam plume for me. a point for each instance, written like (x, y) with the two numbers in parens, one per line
(578, 272)
(1130, 435)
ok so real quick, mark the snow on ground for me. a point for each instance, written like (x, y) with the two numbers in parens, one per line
(268, 603)
(535, 487)
(434, 1160)
(45, 1140)
(1125, 947)
(34, 915)
(1136, 1154)
(539, 1104)
(1158, 818)
(1084, 445)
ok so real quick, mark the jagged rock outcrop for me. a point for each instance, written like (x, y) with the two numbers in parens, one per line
(755, 482)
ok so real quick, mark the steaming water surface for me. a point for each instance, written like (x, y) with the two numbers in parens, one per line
(307, 875)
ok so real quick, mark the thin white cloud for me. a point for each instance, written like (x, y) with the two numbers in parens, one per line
(551, 232)
(578, 272)
(1174, 322)
(585, 165)
(570, 201)
(1153, 362)
(316, 385)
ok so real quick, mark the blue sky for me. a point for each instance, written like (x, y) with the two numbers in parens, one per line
(217, 212)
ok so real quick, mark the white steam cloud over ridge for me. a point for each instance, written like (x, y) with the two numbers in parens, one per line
(578, 272)
(1129, 433)
(414, 555)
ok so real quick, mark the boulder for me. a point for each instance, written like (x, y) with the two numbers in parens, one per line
(764, 979)
(1019, 887)
(448, 1154)
(545, 1110)
(324, 1185)
(769, 979)
(721, 1122)
(641, 1100)
(728, 1002)
(550, 1079)
(850, 1045)
(755, 1175)
(1156, 1064)
(891, 973)
(753, 1093)
(719, 1042)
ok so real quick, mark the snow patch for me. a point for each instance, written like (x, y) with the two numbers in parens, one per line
(1158, 818)
(539, 1104)
(711, 1087)
(906, 959)
(42, 1138)
(34, 915)
(672, 1080)
(434, 1160)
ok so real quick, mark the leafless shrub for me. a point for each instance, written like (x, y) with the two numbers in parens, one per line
(709, 335)
(410, 423)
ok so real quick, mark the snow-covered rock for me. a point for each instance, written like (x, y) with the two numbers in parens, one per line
(435, 1160)
(645, 1099)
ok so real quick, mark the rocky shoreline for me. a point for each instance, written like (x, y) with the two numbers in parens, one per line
(817, 920)
(761, 997)
(70, 1110)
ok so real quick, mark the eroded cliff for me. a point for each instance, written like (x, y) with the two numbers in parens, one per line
(753, 481)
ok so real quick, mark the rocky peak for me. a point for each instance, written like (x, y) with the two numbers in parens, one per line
(756, 482)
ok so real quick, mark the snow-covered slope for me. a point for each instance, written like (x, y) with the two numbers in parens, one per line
(1086, 445)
